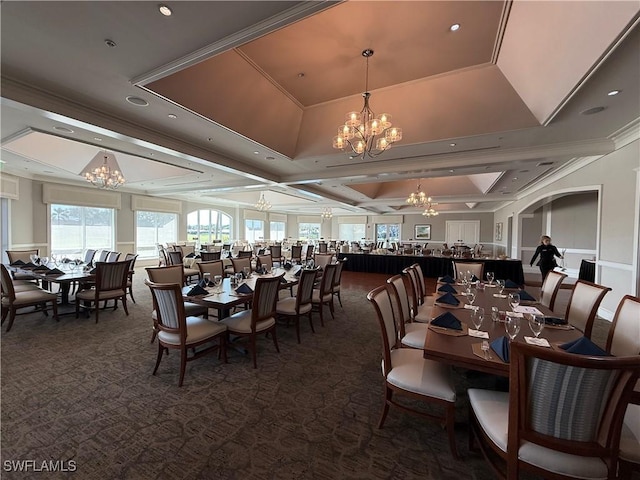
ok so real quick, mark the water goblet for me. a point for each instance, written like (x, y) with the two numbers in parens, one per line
(485, 349)
(500, 284)
(471, 296)
(536, 324)
(206, 276)
(477, 317)
(217, 283)
(44, 261)
(462, 277)
(512, 326)
(239, 278)
(246, 271)
(514, 300)
(495, 313)
(490, 277)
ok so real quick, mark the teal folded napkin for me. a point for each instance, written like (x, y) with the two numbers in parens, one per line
(447, 320)
(244, 289)
(511, 284)
(193, 291)
(525, 296)
(555, 321)
(502, 348)
(447, 288)
(447, 279)
(584, 346)
(449, 299)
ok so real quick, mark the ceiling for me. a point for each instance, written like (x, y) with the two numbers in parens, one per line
(245, 97)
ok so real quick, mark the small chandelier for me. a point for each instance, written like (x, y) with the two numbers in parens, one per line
(429, 211)
(103, 171)
(418, 198)
(262, 204)
(326, 213)
(364, 132)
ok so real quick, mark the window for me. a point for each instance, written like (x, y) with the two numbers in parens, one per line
(207, 226)
(388, 232)
(153, 228)
(75, 229)
(309, 231)
(253, 230)
(352, 232)
(276, 231)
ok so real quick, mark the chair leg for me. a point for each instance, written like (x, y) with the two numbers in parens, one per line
(97, 302)
(183, 365)
(385, 409)
(311, 322)
(158, 358)
(124, 304)
(253, 350)
(331, 307)
(321, 315)
(54, 307)
(223, 347)
(340, 300)
(275, 338)
(43, 306)
(131, 294)
(297, 327)
(154, 333)
(5, 312)
(451, 413)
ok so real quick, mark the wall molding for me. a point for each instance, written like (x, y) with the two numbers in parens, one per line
(617, 265)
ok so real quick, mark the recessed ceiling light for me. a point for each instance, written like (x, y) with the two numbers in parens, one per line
(514, 179)
(172, 116)
(454, 27)
(452, 144)
(269, 158)
(97, 139)
(256, 153)
(110, 43)
(165, 10)
(451, 171)
(210, 139)
(62, 129)
(47, 171)
(137, 101)
(301, 75)
(614, 92)
(592, 111)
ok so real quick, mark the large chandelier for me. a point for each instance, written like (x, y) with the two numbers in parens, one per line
(103, 171)
(364, 132)
(429, 211)
(326, 213)
(418, 198)
(263, 204)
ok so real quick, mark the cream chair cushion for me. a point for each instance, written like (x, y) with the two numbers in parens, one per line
(29, 297)
(241, 322)
(198, 329)
(190, 310)
(415, 335)
(287, 306)
(630, 437)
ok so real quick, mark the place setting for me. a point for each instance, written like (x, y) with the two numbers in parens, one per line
(448, 324)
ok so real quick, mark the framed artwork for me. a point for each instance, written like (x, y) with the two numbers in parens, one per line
(499, 231)
(422, 232)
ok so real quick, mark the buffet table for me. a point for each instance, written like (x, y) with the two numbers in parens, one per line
(432, 266)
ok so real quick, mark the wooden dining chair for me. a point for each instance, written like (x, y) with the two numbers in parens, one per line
(178, 331)
(88, 256)
(23, 256)
(550, 287)
(173, 274)
(323, 295)
(276, 254)
(309, 252)
(561, 418)
(476, 268)
(337, 279)
(296, 253)
(131, 257)
(210, 256)
(260, 318)
(291, 308)
(420, 311)
(583, 305)
(410, 334)
(110, 284)
(264, 261)
(213, 268)
(408, 374)
(176, 258)
(101, 256)
(240, 263)
(322, 259)
(15, 298)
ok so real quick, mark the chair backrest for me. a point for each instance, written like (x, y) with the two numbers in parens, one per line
(240, 262)
(326, 283)
(296, 252)
(624, 334)
(88, 256)
(416, 296)
(214, 267)
(188, 249)
(178, 248)
(400, 302)
(476, 269)
(162, 255)
(265, 297)
(112, 275)
(264, 260)
(420, 277)
(168, 274)
(245, 254)
(337, 278)
(550, 287)
(210, 256)
(305, 288)
(583, 305)
(131, 258)
(309, 254)
(24, 255)
(276, 252)
(169, 306)
(102, 256)
(567, 402)
(113, 257)
(7, 284)
(322, 259)
(322, 247)
(380, 297)
(175, 258)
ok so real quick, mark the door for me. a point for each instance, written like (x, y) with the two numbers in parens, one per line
(463, 232)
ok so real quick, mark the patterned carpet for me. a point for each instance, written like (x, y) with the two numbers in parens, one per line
(78, 391)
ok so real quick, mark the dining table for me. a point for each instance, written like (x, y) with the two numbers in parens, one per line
(226, 297)
(460, 349)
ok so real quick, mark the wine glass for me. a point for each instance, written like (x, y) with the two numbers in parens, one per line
(536, 324)
(512, 326)
(217, 283)
(490, 277)
(500, 284)
(495, 313)
(246, 271)
(477, 317)
(514, 300)
(471, 296)
(485, 349)
(462, 277)
(44, 261)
